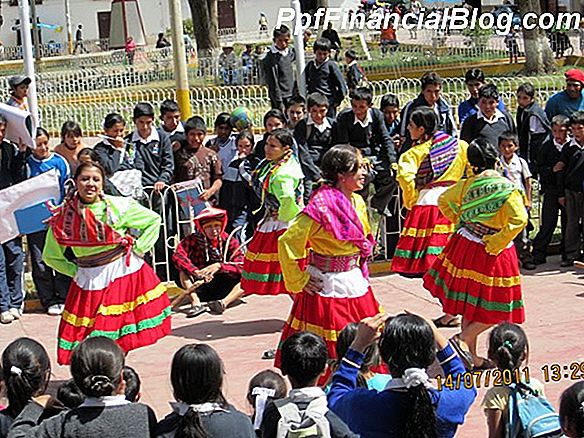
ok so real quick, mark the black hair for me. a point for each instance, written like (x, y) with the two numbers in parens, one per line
(266, 379)
(344, 341)
(508, 346)
(425, 117)
(26, 369)
(143, 109)
(96, 366)
(196, 375)
(90, 153)
(430, 78)
(351, 54)
(577, 118)
(317, 99)
(340, 159)
(3, 120)
(283, 30)
(362, 93)
(168, 106)
(489, 91)
(245, 134)
(527, 88)
(474, 74)
(284, 136)
(276, 113)
(295, 100)
(304, 357)
(113, 119)
(133, 384)
(572, 409)
(482, 155)
(70, 128)
(89, 165)
(42, 131)
(508, 136)
(323, 44)
(389, 100)
(561, 120)
(195, 123)
(223, 119)
(70, 395)
(408, 341)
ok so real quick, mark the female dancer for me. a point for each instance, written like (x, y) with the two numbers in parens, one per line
(277, 183)
(114, 293)
(477, 274)
(435, 162)
(334, 233)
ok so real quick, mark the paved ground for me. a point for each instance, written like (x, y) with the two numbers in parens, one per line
(554, 299)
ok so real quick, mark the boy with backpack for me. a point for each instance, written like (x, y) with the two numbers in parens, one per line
(304, 413)
(355, 73)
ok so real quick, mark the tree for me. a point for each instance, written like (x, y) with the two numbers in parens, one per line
(205, 24)
(539, 58)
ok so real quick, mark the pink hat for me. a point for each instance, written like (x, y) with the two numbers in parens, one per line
(210, 213)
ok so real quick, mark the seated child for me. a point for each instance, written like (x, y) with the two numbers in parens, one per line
(265, 386)
(204, 273)
(303, 361)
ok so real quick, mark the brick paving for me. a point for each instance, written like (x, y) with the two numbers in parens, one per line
(554, 298)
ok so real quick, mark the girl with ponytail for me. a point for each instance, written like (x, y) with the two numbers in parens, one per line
(409, 406)
(97, 366)
(572, 411)
(201, 410)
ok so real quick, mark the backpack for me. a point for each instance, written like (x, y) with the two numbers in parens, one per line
(309, 423)
(530, 415)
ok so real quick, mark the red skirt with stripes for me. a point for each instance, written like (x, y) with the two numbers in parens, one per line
(481, 287)
(125, 303)
(422, 240)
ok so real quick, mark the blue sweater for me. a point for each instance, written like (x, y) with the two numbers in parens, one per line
(54, 161)
(373, 414)
(560, 103)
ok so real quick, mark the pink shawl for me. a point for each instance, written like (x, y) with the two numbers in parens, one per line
(335, 213)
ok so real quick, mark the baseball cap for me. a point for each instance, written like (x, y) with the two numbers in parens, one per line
(17, 80)
(575, 74)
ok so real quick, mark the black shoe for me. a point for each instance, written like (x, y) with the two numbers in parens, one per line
(216, 307)
(567, 263)
(197, 310)
(528, 266)
(539, 261)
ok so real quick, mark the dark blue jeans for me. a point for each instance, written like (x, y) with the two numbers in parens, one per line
(11, 264)
(51, 286)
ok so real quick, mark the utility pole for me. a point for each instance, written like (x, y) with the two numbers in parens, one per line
(28, 58)
(68, 26)
(299, 48)
(180, 61)
(35, 30)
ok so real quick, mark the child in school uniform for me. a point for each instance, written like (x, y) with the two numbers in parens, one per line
(171, 124)
(548, 158)
(533, 125)
(389, 106)
(295, 111)
(517, 170)
(324, 76)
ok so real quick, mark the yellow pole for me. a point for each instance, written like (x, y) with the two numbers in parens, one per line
(180, 62)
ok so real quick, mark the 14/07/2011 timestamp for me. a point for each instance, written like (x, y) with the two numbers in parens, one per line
(555, 372)
(482, 378)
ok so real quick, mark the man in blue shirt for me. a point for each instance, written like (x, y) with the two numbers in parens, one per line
(474, 80)
(569, 100)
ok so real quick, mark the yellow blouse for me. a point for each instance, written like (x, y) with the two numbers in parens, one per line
(410, 162)
(509, 220)
(305, 234)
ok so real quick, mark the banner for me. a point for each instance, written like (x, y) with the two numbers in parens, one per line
(20, 125)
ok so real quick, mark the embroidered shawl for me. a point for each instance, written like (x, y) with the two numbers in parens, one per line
(485, 196)
(442, 153)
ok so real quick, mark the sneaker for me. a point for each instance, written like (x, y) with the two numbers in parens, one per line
(55, 309)
(6, 317)
(15, 313)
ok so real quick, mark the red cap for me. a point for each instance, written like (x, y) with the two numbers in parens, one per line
(575, 74)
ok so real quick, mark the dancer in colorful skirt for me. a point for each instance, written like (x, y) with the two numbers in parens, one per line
(114, 292)
(333, 231)
(435, 162)
(477, 274)
(277, 181)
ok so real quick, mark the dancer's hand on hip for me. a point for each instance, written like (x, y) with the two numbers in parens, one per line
(313, 286)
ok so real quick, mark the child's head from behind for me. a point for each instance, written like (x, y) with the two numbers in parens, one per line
(317, 107)
(295, 110)
(560, 128)
(525, 95)
(344, 341)
(97, 365)
(223, 128)
(144, 119)
(41, 149)
(361, 100)
(304, 358)
(508, 346)
(577, 126)
(87, 155)
(70, 395)
(508, 145)
(572, 411)
(195, 132)
(132, 384)
(423, 124)
(26, 370)
(264, 386)
(390, 108)
(169, 115)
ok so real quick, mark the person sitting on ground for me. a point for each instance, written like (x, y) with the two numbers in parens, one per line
(201, 410)
(572, 411)
(207, 272)
(303, 361)
(408, 403)
(264, 387)
(96, 367)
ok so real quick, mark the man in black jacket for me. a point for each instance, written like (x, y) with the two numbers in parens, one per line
(278, 69)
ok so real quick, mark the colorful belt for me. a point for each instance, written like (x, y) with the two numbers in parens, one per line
(478, 230)
(102, 259)
(333, 263)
